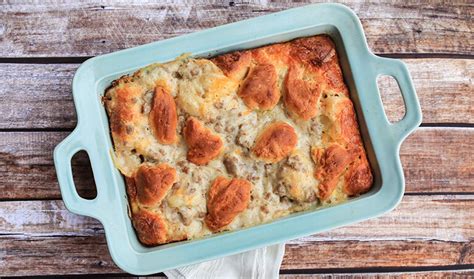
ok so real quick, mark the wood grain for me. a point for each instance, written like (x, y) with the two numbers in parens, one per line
(436, 217)
(432, 229)
(55, 256)
(89, 255)
(468, 273)
(39, 95)
(444, 87)
(353, 254)
(417, 233)
(27, 171)
(87, 29)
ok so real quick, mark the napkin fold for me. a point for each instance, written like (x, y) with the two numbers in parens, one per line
(262, 263)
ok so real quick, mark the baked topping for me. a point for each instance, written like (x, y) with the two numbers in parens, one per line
(153, 182)
(358, 179)
(330, 164)
(260, 89)
(301, 97)
(315, 51)
(203, 145)
(226, 199)
(163, 117)
(126, 109)
(275, 142)
(235, 64)
(348, 124)
(151, 228)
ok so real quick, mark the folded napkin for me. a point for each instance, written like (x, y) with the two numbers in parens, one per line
(261, 263)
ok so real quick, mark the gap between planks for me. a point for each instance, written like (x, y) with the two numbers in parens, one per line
(439, 272)
(81, 59)
(66, 129)
(397, 274)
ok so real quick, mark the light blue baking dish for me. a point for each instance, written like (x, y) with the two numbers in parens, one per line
(360, 67)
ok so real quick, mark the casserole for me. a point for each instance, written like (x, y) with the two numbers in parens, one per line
(241, 139)
(360, 68)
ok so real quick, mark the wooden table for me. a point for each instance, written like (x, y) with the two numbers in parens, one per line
(430, 233)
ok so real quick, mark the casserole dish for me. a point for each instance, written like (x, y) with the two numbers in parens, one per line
(360, 68)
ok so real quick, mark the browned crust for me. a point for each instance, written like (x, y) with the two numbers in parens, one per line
(359, 178)
(122, 110)
(152, 183)
(131, 189)
(163, 118)
(349, 126)
(301, 97)
(313, 51)
(331, 163)
(260, 89)
(275, 54)
(203, 145)
(275, 142)
(335, 161)
(319, 54)
(150, 227)
(226, 199)
(235, 64)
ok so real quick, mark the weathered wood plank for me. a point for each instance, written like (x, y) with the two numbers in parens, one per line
(353, 254)
(39, 96)
(436, 217)
(422, 231)
(55, 255)
(86, 28)
(468, 273)
(439, 160)
(27, 172)
(89, 255)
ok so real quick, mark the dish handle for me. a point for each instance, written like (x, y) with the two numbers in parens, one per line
(413, 116)
(63, 154)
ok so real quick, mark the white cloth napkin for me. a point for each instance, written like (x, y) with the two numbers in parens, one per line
(261, 263)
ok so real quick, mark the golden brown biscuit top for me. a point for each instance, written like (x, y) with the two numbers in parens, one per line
(203, 145)
(301, 96)
(259, 89)
(163, 116)
(153, 182)
(314, 51)
(151, 228)
(226, 199)
(234, 64)
(275, 142)
(244, 138)
(331, 163)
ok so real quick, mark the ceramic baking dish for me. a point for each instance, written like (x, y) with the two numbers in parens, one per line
(381, 138)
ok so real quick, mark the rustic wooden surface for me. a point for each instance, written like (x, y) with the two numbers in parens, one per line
(431, 234)
(444, 87)
(28, 171)
(90, 29)
(423, 230)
